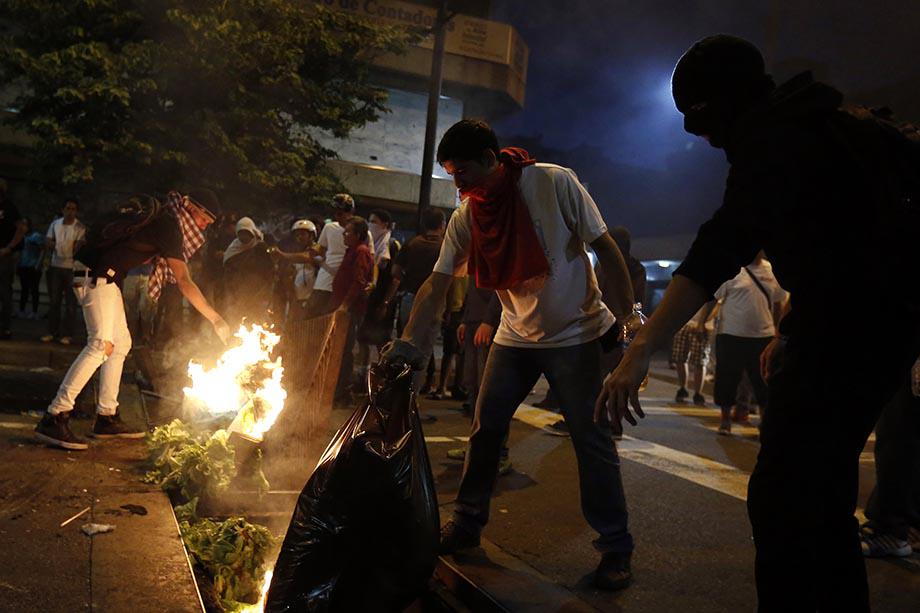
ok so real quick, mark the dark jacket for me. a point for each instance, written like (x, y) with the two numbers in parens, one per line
(795, 192)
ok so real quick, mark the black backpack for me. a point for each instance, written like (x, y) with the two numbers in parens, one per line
(118, 225)
(124, 221)
(889, 154)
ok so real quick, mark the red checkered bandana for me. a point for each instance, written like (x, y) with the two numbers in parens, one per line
(192, 240)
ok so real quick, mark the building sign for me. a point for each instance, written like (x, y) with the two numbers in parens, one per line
(467, 36)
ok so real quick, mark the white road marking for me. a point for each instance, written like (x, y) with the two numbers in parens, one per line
(15, 425)
(741, 431)
(446, 439)
(702, 471)
(536, 417)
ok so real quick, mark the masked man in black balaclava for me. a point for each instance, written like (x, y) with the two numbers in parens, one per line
(798, 190)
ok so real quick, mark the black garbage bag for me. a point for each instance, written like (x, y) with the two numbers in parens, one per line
(364, 535)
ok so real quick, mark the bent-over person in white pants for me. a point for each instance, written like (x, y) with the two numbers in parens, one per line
(166, 236)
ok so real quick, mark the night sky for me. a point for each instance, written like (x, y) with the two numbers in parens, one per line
(598, 91)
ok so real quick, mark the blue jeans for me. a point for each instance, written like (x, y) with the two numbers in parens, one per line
(574, 372)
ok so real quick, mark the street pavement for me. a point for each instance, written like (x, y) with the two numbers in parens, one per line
(48, 564)
(685, 485)
(686, 488)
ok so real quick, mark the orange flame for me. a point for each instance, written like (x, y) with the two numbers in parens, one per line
(245, 381)
(259, 607)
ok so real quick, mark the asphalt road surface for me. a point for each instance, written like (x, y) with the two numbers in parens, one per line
(686, 488)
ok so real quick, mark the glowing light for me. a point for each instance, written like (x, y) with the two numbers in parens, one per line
(245, 381)
(259, 607)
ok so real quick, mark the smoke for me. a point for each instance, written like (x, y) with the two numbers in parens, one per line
(599, 81)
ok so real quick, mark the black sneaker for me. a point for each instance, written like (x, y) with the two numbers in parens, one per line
(53, 430)
(111, 426)
(454, 538)
(699, 400)
(682, 395)
(613, 573)
(557, 428)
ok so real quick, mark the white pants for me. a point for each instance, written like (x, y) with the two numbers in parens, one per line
(104, 313)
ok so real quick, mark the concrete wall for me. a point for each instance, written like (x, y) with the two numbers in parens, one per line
(395, 186)
(397, 139)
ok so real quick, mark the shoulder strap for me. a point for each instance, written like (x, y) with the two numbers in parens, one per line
(759, 285)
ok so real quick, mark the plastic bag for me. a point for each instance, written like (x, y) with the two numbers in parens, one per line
(364, 535)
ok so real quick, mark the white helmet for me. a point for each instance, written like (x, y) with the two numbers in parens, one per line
(304, 224)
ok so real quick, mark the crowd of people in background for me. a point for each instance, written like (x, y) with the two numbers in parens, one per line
(355, 264)
(252, 273)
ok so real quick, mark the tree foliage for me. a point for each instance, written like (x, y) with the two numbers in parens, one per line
(147, 94)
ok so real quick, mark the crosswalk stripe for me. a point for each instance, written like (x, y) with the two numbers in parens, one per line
(702, 471)
(708, 473)
(446, 439)
(699, 470)
(15, 425)
(742, 431)
(691, 411)
(685, 411)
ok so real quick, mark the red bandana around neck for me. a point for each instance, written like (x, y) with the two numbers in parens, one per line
(505, 251)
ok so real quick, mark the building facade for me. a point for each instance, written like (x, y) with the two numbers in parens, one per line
(484, 75)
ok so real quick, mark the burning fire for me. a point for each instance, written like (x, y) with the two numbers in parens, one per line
(259, 607)
(245, 381)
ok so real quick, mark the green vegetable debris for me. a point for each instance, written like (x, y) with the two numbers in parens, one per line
(193, 464)
(234, 553)
(201, 464)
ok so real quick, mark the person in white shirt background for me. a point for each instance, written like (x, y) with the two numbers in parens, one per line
(749, 306)
(63, 238)
(331, 247)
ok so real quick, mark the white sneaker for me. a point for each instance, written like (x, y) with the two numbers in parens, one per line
(65, 340)
(47, 338)
(880, 545)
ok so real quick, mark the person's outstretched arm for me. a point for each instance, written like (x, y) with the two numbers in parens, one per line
(425, 318)
(681, 301)
(193, 294)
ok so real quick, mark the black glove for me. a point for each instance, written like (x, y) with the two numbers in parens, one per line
(402, 351)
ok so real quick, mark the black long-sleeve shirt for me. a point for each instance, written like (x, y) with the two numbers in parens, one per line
(796, 193)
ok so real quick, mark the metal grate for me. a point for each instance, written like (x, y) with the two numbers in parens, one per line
(312, 356)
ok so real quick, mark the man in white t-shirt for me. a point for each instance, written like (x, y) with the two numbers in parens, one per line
(331, 247)
(749, 307)
(64, 236)
(522, 230)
